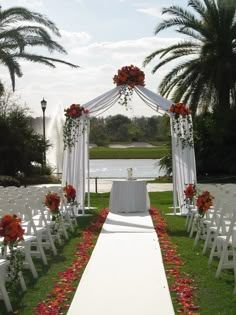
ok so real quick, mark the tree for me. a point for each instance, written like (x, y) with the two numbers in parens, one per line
(98, 133)
(206, 77)
(22, 30)
(117, 127)
(8, 101)
(20, 146)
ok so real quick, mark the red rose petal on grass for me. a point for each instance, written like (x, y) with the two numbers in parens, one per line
(182, 284)
(57, 300)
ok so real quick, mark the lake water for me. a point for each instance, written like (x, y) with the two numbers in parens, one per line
(117, 168)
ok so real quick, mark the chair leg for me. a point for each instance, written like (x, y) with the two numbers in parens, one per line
(3, 288)
(190, 222)
(49, 235)
(187, 219)
(212, 251)
(193, 228)
(64, 229)
(206, 242)
(30, 261)
(42, 253)
(22, 282)
(197, 237)
(223, 260)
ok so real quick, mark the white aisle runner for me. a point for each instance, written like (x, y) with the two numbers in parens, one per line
(125, 274)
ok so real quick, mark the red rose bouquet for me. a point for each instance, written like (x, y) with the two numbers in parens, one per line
(70, 193)
(182, 123)
(12, 232)
(127, 78)
(72, 123)
(10, 229)
(190, 192)
(129, 75)
(180, 109)
(75, 111)
(204, 202)
(52, 201)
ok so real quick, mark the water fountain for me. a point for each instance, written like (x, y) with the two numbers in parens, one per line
(55, 136)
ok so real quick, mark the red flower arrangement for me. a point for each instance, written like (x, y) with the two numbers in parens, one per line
(75, 111)
(70, 193)
(127, 78)
(10, 229)
(72, 123)
(190, 191)
(12, 232)
(52, 201)
(204, 202)
(129, 75)
(180, 109)
(181, 118)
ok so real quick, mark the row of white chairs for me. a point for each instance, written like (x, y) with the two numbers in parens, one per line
(217, 229)
(40, 233)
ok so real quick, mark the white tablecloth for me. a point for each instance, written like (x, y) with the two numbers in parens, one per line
(129, 196)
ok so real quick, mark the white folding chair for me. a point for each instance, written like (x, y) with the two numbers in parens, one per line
(222, 246)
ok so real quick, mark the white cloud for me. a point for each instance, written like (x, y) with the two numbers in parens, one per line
(99, 62)
(151, 11)
(74, 39)
(31, 4)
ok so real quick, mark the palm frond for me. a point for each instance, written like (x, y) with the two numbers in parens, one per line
(198, 7)
(44, 60)
(16, 14)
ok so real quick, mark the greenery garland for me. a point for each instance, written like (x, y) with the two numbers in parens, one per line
(72, 123)
(181, 117)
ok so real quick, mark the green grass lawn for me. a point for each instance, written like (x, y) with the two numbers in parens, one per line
(214, 295)
(128, 153)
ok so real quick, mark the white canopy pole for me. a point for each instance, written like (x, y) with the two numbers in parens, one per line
(88, 166)
(173, 145)
(83, 165)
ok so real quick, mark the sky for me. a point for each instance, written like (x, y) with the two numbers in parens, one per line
(100, 36)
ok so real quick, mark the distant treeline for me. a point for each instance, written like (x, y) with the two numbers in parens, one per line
(120, 128)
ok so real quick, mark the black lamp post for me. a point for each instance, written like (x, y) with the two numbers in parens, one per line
(43, 106)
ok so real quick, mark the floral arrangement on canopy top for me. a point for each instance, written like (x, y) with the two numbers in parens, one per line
(72, 123)
(127, 78)
(182, 123)
(12, 233)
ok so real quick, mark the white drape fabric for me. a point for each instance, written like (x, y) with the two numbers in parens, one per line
(183, 165)
(103, 102)
(152, 99)
(76, 160)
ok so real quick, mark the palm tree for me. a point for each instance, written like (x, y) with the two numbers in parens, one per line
(21, 30)
(205, 78)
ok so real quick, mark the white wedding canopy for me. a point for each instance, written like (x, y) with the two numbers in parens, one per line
(76, 160)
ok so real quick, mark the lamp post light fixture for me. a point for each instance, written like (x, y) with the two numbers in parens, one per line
(43, 106)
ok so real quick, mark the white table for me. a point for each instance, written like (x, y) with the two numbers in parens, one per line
(129, 196)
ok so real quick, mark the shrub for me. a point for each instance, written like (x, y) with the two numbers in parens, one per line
(9, 181)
